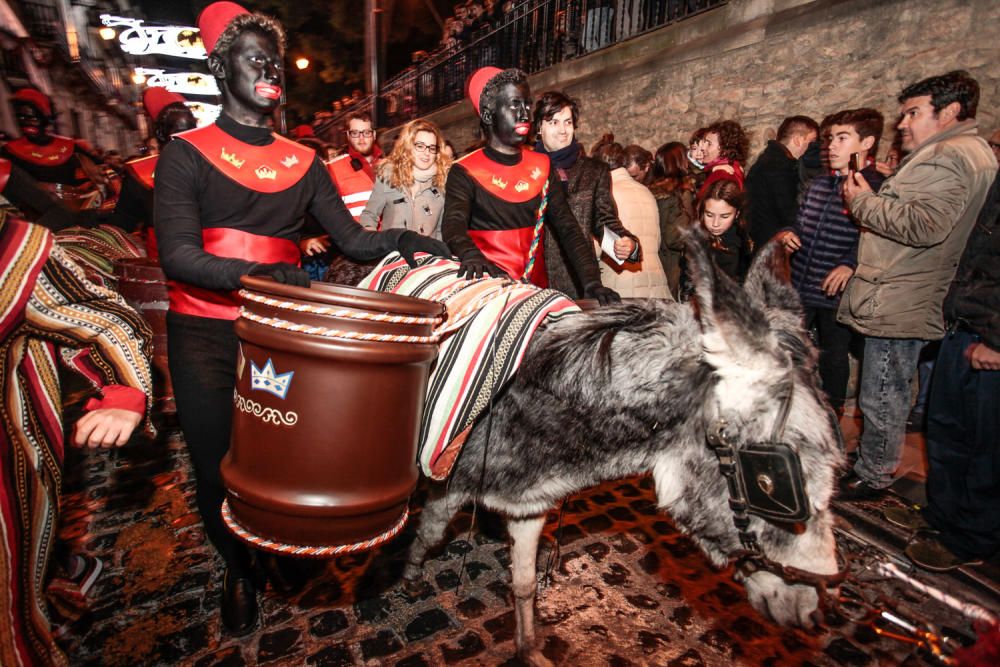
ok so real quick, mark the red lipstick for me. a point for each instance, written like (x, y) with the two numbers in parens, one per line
(268, 90)
(522, 129)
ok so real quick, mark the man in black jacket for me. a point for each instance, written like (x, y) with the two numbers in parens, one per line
(772, 185)
(588, 188)
(963, 425)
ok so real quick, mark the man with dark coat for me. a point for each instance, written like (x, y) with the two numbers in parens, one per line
(772, 184)
(963, 424)
(588, 188)
(229, 201)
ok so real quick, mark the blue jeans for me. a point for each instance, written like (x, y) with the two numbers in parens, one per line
(884, 398)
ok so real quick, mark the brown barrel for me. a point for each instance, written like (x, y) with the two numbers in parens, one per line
(143, 285)
(327, 455)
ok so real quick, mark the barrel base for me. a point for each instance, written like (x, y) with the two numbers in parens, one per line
(265, 544)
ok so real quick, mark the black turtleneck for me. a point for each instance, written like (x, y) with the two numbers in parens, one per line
(192, 195)
(467, 206)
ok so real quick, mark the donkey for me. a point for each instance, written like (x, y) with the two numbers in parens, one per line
(633, 388)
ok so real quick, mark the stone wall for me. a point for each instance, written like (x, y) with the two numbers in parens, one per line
(757, 61)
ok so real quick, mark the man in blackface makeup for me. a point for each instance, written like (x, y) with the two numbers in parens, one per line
(134, 209)
(48, 158)
(229, 201)
(499, 198)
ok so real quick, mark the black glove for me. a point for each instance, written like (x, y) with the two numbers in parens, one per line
(474, 265)
(410, 243)
(604, 295)
(282, 272)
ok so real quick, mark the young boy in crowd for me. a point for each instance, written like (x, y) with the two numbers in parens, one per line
(824, 240)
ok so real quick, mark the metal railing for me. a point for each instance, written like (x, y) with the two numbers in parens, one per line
(533, 35)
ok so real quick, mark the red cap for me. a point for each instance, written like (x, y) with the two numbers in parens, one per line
(156, 98)
(477, 82)
(36, 97)
(214, 19)
(303, 131)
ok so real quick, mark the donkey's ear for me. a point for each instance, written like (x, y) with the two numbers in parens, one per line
(769, 281)
(733, 330)
(769, 288)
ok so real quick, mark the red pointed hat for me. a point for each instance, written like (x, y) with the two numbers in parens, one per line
(36, 97)
(156, 98)
(477, 82)
(214, 19)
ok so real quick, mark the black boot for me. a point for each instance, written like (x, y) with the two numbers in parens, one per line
(239, 604)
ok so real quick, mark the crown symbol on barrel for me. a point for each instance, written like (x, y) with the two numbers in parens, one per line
(267, 380)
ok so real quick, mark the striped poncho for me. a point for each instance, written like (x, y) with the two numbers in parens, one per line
(483, 341)
(49, 314)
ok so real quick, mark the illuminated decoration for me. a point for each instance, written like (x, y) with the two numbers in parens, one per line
(107, 34)
(302, 63)
(183, 83)
(205, 114)
(138, 78)
(144, 40)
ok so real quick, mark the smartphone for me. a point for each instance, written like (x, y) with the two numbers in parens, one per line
(855, 163)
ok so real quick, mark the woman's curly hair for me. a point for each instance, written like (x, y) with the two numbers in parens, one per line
(734, 143)
(397, 169)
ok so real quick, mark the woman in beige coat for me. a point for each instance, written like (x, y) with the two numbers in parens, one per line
(409, 187)
(637, 211)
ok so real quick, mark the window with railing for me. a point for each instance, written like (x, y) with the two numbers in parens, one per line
(12, 64)
(42, 20)
(531, 35)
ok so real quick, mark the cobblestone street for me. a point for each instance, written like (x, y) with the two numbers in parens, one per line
(628, 589)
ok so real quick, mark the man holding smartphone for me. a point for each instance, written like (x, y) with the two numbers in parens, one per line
(824, 240)
(913, 232)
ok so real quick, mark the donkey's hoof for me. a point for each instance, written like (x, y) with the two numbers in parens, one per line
(417, 589)
(534, 658)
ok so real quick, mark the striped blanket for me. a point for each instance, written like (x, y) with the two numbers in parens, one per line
(483, 340)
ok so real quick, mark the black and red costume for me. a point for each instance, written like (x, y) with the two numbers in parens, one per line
(230, 197)
(135, 202)
(491, 204)
(55, 160)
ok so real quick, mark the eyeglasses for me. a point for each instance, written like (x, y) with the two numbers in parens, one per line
(421, 147)
(354, 134)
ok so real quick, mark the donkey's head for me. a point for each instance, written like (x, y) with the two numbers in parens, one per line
(763, 364)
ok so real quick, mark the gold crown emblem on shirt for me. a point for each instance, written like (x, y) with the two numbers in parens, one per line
(499, 182)
(289, 161)
(521, 186)
(264, 172)
(536, 173)
(232, 159)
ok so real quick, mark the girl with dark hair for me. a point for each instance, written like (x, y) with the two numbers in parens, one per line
(726, 147)
(673, 189)
(719, 213)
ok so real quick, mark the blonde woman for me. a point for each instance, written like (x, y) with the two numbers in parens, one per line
(409, 188)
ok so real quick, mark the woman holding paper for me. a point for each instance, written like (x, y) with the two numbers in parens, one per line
(637, 210)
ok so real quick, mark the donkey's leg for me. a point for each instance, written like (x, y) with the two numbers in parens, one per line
(434, 519)
(524, 533)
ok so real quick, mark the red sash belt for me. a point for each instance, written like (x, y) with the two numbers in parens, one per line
(222, 242)
(508, 249)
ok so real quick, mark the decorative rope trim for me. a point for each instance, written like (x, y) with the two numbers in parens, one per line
(309, 552)
(334, 333)
(539, 221)
(338, 312)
